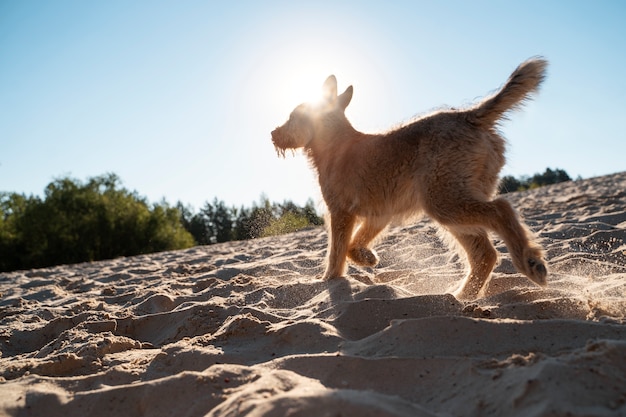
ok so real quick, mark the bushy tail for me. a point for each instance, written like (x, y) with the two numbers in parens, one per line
(524, 81)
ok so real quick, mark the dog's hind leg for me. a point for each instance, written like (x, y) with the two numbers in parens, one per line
(341, 226)
(526, 254)
(359, 251)
(482, 257)
(499, 216)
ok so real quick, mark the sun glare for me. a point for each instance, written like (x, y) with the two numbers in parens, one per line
(304, 85)
(294, 73)
(299, 71)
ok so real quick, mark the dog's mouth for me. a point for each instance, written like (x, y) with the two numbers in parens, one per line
(280, 150)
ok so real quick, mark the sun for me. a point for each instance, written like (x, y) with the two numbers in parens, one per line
(303, 84)
(294, 72)
(299, 71)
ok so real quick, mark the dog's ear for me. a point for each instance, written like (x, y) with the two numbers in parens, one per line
(344, 99)
(329, 89)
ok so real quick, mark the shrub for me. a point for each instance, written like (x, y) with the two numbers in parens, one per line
(78, 222)
(510, 184)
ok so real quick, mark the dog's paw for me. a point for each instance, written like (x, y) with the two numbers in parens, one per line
(470, 289)
(363, 256)
(531, 263)
(537, 271)
(332, 274)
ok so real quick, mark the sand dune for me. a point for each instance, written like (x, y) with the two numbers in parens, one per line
(247, 329)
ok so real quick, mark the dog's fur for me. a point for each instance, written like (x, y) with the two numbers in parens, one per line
(445, 164)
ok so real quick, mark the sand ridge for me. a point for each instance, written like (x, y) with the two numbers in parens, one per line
(247, 328)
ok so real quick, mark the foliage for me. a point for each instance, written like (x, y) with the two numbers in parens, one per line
(511, 184)
(215, 222)
(212, 224)
(78, 222)
(290, 218)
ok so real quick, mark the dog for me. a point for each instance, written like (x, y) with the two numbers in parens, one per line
(445, 164)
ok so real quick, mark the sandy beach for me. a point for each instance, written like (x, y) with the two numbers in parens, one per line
(248, 328)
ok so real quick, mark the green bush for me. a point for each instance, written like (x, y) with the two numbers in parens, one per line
(218, 223)
(510, 184)
(288, 223)
(78, 222)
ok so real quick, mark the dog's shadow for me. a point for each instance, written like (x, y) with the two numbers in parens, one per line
(341, 289)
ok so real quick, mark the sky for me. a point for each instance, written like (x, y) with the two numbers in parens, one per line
(178, 98)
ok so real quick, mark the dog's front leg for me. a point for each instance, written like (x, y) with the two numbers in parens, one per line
(341, 225)
(360, 251)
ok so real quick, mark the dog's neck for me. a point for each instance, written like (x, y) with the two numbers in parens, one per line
(328, 145)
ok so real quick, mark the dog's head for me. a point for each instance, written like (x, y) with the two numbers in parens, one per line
(311, 120)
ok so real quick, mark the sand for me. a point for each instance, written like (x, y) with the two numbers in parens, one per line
(248, 329)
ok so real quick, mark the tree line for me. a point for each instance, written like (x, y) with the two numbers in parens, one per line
(510, 184)
(99, 219)
(216, 222)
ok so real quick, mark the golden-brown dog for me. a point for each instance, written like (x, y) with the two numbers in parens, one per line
(445, 164)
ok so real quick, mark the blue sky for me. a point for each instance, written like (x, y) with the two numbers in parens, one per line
(179, 97)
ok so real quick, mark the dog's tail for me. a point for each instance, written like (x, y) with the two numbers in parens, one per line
(524, 81)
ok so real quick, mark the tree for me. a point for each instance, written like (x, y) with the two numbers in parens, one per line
(213, 224)
(548, 177)
(78, 222)
(259, 218)
(220, 221)
(99, 219)
(510, 184)
(195, 224)
(288, 218)
(12, 207)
